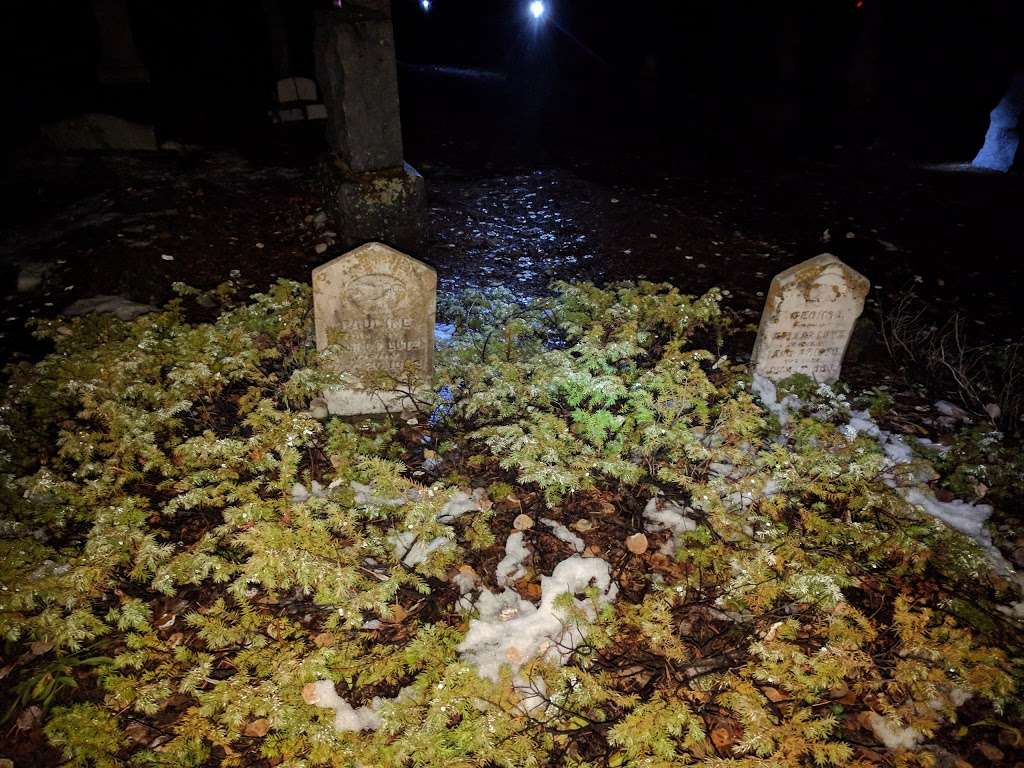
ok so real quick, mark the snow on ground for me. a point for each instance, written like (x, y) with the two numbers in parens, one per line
(513, 631)
(562, 533)
(965, 517)
(512, 566)
(346, 718)
(666, 515)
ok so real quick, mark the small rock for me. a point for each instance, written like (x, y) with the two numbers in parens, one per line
(31, 276)
(637, 543)
(318, 409)
(320, 248)
(166, 257)
(522, 522)
(582, 525)
(118, 306)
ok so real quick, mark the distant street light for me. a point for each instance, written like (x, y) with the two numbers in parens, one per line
(537, 9)
(425, 4)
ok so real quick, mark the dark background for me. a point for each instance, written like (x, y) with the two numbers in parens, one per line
(722, 73)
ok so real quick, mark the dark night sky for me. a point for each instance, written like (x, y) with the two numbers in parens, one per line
(942, 63)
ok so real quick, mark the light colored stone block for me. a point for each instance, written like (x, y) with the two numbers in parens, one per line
(316, 112)
(808, 319)
(305, 88)
(291, 115)
(287, 92)
(382, 305)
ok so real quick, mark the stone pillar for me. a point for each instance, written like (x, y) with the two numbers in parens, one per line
(376, 195)
(1003, 135)
(120, 63)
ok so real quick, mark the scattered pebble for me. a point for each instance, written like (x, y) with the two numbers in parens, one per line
(637, 543)
(523, 522)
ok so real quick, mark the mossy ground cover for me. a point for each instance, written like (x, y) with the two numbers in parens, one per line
(187, 555)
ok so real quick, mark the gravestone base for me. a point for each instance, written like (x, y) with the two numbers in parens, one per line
(355, 402)
(388, 206)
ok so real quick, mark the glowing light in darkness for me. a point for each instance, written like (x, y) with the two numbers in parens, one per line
(537, 9)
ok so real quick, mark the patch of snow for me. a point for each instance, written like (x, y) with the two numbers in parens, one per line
(300, 493)
(861, 423)
(346, 718)
(1013, 610)
(562, 533)
(459, 504)
(951, 410)
(963, 516)
(411, 551)
(893, 737)
(895, 448)
(465, 580)
(765, 389)
(366, 497)
(510, 630)
(667, 516)
(511, 566)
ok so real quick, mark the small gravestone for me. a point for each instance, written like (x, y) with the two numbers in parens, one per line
(383, 305)
(808, 318)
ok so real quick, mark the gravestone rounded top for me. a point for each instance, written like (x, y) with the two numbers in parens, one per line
(379, 305)
(808, 318)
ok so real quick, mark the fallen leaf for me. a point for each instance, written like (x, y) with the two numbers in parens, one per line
(39, 647)
(774, 694)
(870, 756)
(323, 640)
(309, 694)
(137, 732)
(637, 543)
(29, 718)
(721, 738)
(257, 727)
(991, 751)
(529, 589)
(398, 614)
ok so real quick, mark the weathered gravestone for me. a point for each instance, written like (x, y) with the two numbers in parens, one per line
(383, 303)
(808, 318)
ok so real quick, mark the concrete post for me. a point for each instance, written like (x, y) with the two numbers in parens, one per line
(120, 63)
(376, 194)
